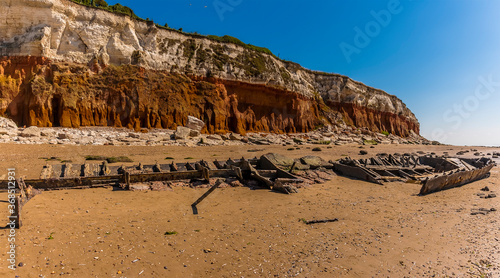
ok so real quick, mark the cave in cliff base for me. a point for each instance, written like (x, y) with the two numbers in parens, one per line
(70, 95)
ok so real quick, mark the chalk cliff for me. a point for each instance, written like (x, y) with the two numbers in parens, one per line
(71, 65)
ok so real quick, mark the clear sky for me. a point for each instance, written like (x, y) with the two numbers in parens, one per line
(441, 57)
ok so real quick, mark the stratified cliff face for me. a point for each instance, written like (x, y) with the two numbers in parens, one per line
(71, 65)
(39, 92)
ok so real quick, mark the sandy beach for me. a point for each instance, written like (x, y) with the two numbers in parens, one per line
(383, 230)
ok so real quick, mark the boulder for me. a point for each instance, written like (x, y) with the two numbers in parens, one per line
(182, 132)
(345, 139)
(313, 161)
(235, 136)
(262, 142)
(7, 123)
(301, 167)
(194, 133)
(214, 137)
(31, 131)
(47, 132)
(134, 135)
(64, 136)
(279, 160)
(3, 131)
(195, 123)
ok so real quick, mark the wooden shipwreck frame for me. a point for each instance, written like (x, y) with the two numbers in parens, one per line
(81, 176)
(434, 173)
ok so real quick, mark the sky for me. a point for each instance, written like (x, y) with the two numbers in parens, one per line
(441, 57)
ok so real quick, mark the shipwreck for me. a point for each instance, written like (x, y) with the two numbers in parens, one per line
(270, 171)
(434, 173)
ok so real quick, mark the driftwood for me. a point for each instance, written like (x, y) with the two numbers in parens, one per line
(321, 221)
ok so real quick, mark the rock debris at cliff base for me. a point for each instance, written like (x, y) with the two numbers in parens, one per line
(322, 138)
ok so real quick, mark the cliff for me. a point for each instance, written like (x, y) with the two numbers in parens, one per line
(71, 65)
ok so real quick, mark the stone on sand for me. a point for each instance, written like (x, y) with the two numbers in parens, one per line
(195, 123)
(7, 123)
(279, 160)
(182, 132)
(313, 161)
(31, 131)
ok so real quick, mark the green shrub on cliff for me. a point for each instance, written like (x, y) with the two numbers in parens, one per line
(100, 3)
(92, 3)
(189, 48)
(254, 64)
(117, 8)
(233, 40)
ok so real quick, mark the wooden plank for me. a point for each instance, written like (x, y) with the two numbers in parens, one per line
(321, 221)
(217, 183)
(355, 172)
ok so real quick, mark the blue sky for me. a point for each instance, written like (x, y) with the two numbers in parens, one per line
(432, 54)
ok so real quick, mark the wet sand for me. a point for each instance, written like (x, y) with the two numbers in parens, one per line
(383, 231)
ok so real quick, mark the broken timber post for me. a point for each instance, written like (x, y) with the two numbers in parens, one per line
(237, 172)
(126, 177)
(16, 214)
(293, 166)
(205, 172)
(217, 183)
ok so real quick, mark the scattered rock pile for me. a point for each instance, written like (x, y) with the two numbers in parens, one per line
(482, 211)
(488, 194)
(190, 135)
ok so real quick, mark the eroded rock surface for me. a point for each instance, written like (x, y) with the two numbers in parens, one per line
(69, 65)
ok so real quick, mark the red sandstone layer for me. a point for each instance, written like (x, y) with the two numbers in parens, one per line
(36, 91)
